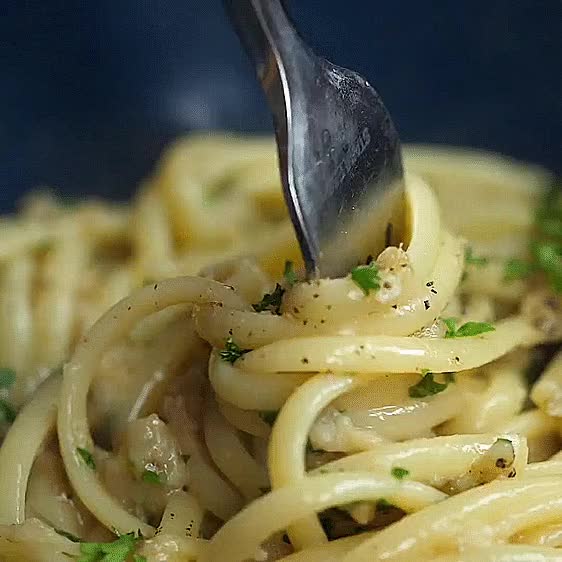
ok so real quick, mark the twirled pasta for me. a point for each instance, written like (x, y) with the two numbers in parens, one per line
(154, 428)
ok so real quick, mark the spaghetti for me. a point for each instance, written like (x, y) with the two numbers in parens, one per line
(386, 415)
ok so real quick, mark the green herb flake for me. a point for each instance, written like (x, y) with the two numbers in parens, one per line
(86, 457)
(366, 277)
(7, 412)
(151, 476)
(427, 386)
(289, 273)
(269, 416)
(67, 535)
(139, 558)
(117, 551)
(271, 301)
(469, 329)
(471, 259)
(7, 377)
(518, 269)
(383, 506)
(232, 351)
(399, 473)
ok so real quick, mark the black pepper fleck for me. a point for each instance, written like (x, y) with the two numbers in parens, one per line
(426, 304)
(304, 360)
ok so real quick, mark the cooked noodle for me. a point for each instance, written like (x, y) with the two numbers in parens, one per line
(303, 432)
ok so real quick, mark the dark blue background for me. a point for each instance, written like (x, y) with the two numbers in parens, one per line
(90, 91)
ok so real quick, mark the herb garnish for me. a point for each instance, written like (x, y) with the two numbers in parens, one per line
(7, 379)
(399, 473)
(428, 386)
(468, 329)
(117, 551)
(151, 476)
(289, 273)
(366, 277)
(232, 351)
(518, 269)
(470, 258)
(383, 505)
(87, 457)
(271, 301)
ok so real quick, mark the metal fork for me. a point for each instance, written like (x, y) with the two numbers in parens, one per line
(339, 153)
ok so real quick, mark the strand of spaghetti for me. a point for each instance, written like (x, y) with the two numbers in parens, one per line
(20, 447)
(230, 455)
(212, 492)
(182, 517)
(248, 421)
(72, 425)
(252, 390)
(502, 400)
(426, 304)
(16, 318)
(151, 236)
(333, 299)
(547, 391)
(241, 536)
(434, 461)
(372, 354)
(551, 467)
(216, 324)
(287, 444)
(54, 309)
(165, 547)
(541, 535)
(493, 512)
(251, 330)
(510, 553)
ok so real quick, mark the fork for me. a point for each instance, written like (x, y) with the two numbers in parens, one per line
(339, 152)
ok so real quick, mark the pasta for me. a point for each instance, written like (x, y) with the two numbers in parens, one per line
(183, 394)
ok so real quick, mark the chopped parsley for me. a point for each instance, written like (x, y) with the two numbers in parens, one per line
(86, 457)
(289, 273)
(399, 473)
(139, 558)
(7, 377)
(271, 301)
(117, 551)
(7, 413)
(383, 505)
(232, 351)
(151, 476)
(518, 269)
(67, 535)
(428, 386)
(468, 329)
(269, 416)
(366, 277)
(471, 259)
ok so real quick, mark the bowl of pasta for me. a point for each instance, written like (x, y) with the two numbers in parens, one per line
(173, 388)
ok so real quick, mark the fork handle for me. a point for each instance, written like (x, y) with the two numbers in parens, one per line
(275, 48)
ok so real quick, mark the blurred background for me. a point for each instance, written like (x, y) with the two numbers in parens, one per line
(91, 91)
